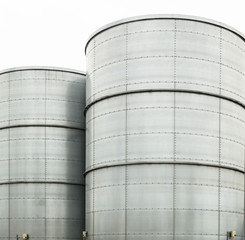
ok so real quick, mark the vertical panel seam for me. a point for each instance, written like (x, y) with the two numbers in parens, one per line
(126, 131)
(93, 90)
(9, 155)
(45, 155)
(174, 135)
(244, 196)
(220, 84)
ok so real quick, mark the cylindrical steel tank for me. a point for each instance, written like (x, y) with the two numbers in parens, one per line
(165, 126)
(42, 153)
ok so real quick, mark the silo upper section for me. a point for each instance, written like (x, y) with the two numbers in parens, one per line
(150, 49)
(42, 96)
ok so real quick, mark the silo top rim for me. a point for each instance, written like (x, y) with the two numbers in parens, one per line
(164, 16)
(59, 69)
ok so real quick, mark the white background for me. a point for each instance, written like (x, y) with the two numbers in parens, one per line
(54, 32)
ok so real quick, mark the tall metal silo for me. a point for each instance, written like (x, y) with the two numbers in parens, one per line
(165, 130)
(42, 153)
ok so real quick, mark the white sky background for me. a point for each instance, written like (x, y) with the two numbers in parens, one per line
(54, 32)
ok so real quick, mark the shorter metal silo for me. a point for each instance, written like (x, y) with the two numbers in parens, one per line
(42, 153)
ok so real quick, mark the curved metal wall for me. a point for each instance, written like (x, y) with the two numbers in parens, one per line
(165, 131)
(42, 153)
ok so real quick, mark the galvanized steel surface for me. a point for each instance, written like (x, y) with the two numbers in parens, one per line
(165, 17)
(130, 121)
(42, 142)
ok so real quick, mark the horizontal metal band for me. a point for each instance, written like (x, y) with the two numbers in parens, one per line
(40, 182)
(163, 90)
(42, 125)
(163, 209)
(164, 163)
(42, 218)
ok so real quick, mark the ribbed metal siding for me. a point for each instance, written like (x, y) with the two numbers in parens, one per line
(162, 163)
(42, 153)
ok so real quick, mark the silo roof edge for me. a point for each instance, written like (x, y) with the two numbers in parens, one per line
(164, 16)
(26, 68)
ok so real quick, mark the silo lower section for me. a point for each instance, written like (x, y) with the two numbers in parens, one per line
(42, 153)
(165, 130)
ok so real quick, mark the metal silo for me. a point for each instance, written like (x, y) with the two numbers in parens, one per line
(165, 130)
(42, 153)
